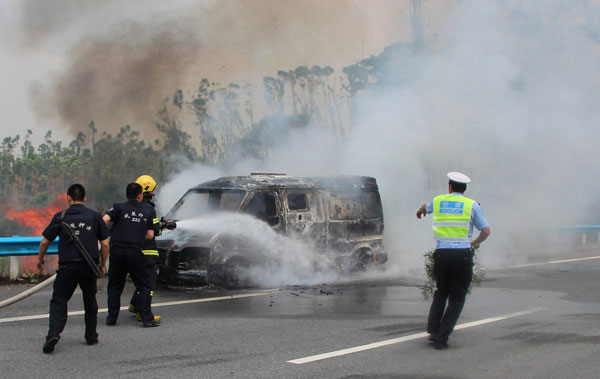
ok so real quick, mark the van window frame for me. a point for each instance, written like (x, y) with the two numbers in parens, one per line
(272, 220)
(296, 193)
(363, 206)
(190, 194)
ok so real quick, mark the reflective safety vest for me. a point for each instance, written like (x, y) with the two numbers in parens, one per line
(451, 218)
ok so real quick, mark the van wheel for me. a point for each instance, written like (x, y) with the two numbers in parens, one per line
(361, 260)
(236, 274)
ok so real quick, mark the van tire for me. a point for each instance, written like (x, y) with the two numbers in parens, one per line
(235, 274)
(361, 260)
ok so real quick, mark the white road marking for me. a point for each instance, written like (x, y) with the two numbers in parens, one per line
(411, 337)
(552, 262)
(154, 305)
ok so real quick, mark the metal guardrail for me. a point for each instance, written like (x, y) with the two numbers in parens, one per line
(589, 233)
(580, 227)
(21, 246)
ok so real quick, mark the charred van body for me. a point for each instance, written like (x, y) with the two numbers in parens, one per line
(341, 216)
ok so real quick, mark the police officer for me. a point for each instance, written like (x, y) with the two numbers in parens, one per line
(132, 225)
(149, 250)
(454, 217)
(73, 270)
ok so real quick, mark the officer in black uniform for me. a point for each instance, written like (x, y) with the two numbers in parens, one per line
(72, 268)
(149, 250)
(132, 225)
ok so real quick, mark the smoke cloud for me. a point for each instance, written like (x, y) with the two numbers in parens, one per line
(504, 91)
(507, 93)
(116, 63)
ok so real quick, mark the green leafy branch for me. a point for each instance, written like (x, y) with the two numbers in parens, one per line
(429, 287)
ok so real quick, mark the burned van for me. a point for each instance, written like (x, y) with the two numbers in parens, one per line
(341, 217)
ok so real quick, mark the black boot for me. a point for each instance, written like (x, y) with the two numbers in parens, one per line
(151, 323)
(49, 345)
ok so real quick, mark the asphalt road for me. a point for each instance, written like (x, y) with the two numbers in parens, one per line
(540, 320)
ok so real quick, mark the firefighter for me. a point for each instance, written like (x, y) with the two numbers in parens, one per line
(132, 225)
(73, 270)
(149, 250)
(454, 216)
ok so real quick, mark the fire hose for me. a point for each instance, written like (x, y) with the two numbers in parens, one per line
(169, 224)
(29, 292)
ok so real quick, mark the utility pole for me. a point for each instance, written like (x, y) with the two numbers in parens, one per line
(418, 39)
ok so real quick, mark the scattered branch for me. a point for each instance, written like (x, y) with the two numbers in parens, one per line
(428, 288)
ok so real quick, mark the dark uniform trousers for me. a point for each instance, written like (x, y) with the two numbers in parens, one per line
(125, 260)
(149, 273)
(68, 276)
(453, 271)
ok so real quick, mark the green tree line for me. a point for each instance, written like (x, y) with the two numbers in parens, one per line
(32, 176)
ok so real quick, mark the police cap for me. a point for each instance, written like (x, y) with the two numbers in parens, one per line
(458, 177)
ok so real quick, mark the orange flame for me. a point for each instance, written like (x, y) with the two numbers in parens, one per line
(37, 219)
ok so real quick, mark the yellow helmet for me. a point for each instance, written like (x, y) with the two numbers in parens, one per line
(148, 184)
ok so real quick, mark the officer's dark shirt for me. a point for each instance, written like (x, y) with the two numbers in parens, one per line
(130, 222)
(88, 226)
(151, 244)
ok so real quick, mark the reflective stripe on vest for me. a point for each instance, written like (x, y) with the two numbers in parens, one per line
(150, 252)
(451, 218)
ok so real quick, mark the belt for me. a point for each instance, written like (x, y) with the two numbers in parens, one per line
(463, 250)
(126, 247)
(74, 264)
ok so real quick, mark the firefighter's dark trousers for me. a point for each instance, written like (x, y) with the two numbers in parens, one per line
(124, 260)
(68, 276)
(150, 275)
(453, 271)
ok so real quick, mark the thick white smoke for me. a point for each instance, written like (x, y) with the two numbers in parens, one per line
(504, 95)
(504, 91)
(507, 93)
